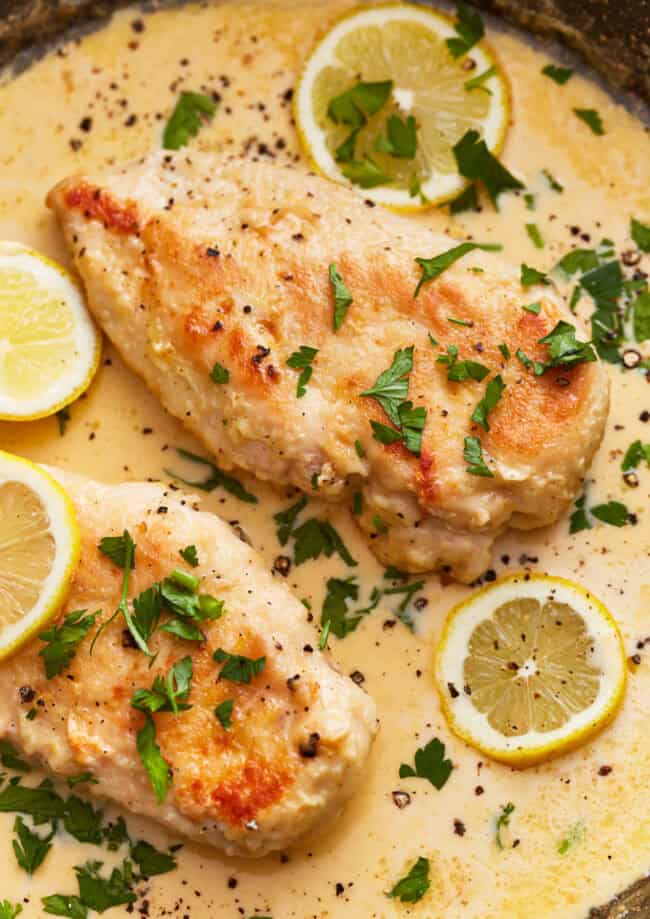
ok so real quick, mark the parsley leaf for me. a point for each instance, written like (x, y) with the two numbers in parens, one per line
(412, 421)
(7, 911)
(147, 607)
(385, 434)
(614, 513)
(219, 373)
(640, 234)
(335, 609)
(582, 260)
(237, 668)
(63, 641)
(460, 371)
(285, 520)
(642, 317)
(365, 173)
(574, 836)
(30, 848)
(579, 519)
(505, 351)
(469, 29)
(41, 803)
(531, 276)
(216, 479)
(152, 759)
(100, 893)
(82, 821)
(477, 82)
(604, 284)
(433, 267)
(151, 861)
(314, 537)
(564, 350)
(534, 235)
(352, 106)
(168, 695)
(413, 887)
(634, 455)
(391, 387)
(493, 393)
(342, 297)
(533, 308)
(302, 360)
(475, 162)
(591, 117)
(189, 555)
(401, 139)
(223, 713)
(466, 201)
(560, 74)
(60, 904)
(10, 758)
(503, 820)
(191, 110)
(119, 549)
(473, 456)
(430, 764)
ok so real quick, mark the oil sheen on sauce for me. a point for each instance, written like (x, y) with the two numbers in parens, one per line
(125, 79)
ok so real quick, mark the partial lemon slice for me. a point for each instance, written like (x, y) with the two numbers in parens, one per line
(404, 44)
(49, 347)
(39, 549)
(530, 668)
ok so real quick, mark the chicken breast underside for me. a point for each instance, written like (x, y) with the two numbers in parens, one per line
(189, 261)
(301, 732)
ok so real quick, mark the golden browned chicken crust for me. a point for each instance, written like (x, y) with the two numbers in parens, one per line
(189, 261)
(300, 733)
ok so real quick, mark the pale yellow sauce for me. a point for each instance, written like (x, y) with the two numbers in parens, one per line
(259, 49)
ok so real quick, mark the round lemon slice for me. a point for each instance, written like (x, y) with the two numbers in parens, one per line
(446, 97)
(530, 668)
(39, 549)
(49, 347)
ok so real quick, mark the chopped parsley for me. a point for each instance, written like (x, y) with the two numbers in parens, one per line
(635, 454)
(360, 451)
(83, 778)
(469, 29)
(534, 235)
(473, 456)
(414, 885)
(120, 549)
(560, 74)
(466, 201)
(342, 297)
(579, 519)
(460, 371)
(100, 893)
(430, 764)
(613, 512)
(151, 861)
(302, 360)
(10, 758)
(189, 555)
(216, 479)
(190, 112)
(354, 105)
(401, 138)
(285, 520)
(564, 349)
(237, 668)
(315, 537)
(642, 317)
(152, 759)
(493, 393)
(533, 308)
(365, 173)
(505, 351)
(574, 836)
(391, 387)
(168, 695)
(65, 905)
(219, 373)
(530, 276)
(30, 849)
(223, 713)
(433, 267)
(9, 911)
(477, 82)
(591, 118)
(640, 234)
(63, 641)
(503, 820)
(554, 185)
(475, 162)
(63, 417)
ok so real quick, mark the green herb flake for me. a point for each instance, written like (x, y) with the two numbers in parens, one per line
(613, 512)
(219, 373)
(62, 641)
(479, 81)
(357, 504)
(554, 185)
(473, 456)
(365, 173)
(189, 555)
(641, 311)
(352, 106)
(342, 297)
(564, 349)
(152, 759)
(223, 713)
(120, 549)
(469, 28)
(99, 893)
(167, 695)
(414, 885)
(640, 234)
(315, 537)
(62, 418)
(575, 835)
(361, 453)
(579, 519)
(391, 387)
(559, 74)
(433, 267)
(216, 478)
(237, 668)
(302, 360)
(60, 904)
(401, 138)
(29, 848)
(591, 118)
(505, 351)
(635, 454)
(190, 112)
(10, 758)
(475, 162)
(493, 393)
(531, 276)
(151, 861)
(466, 201)
(82, 778)
(503, 820)
(285, 520)
(534, 235)
(430, 764)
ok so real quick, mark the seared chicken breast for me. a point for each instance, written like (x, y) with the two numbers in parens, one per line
(300, 732)
(190, 262)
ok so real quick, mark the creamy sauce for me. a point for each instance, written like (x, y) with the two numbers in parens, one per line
(126, 80)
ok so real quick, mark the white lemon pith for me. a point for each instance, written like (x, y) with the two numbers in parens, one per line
(39, 549)
(530, 668)
(405, 44)
(49, 347)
